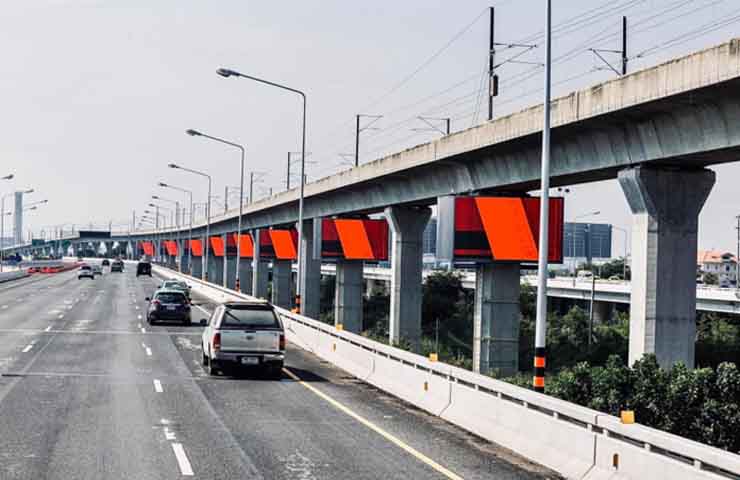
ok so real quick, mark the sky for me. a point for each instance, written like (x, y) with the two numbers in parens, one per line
(95, 96)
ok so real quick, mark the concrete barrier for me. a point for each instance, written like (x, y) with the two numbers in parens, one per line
(14, 275)
(575, 441)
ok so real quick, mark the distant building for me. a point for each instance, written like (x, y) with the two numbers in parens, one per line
(430, 238)
(586, 242)
(721, 264)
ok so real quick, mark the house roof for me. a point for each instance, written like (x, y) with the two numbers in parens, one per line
(714, 256)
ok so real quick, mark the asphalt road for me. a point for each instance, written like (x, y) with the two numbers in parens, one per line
(88, 390)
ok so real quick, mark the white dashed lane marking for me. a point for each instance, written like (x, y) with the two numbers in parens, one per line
(182, 460)
(158, 386)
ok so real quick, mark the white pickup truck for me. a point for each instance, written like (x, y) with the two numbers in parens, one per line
(246, 334)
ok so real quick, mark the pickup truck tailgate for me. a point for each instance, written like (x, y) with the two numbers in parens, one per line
(237, 340)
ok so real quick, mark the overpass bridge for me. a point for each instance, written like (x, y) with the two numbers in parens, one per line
(655, 130)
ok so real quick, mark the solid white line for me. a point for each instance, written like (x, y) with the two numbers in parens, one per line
(158, 386)
(28, 347)
(48, 328)
(182, 459)
(149, 351)
(387, 435)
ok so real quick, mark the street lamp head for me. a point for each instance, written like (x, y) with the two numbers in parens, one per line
(172, 165)
(152, 205)
(162, 184)
(8, 177)
(193, 133)
(30, 190)
(226, 73)
(155, 197)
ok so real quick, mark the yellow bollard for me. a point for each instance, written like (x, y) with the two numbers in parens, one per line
(433, 357)
(627, 416)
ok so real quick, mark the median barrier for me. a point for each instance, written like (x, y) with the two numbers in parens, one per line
(576, 442)
(14, 275)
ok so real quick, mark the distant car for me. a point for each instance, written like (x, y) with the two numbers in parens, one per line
(144, 268)
(116, 266)
(105, 262)
(80, 259)
(97, 270)
(614, 278)
(176, 285)
(245, 333)
(168, 305)
(85, 271)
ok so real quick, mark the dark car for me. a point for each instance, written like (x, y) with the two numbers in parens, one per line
(105, 262)
(168, 305)
(116, 266)
(144, 268)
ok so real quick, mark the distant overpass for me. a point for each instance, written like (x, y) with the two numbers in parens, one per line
(708, 299)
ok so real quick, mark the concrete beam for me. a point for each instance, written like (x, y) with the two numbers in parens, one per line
(407, 227)
(496, 319)
(665, 208)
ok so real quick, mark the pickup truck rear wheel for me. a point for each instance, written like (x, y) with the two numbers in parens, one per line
(212, 369)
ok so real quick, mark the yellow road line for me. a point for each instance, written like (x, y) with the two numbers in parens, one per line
(388, 436)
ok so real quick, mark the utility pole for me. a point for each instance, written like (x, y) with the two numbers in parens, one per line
(624, 45)
(737, 257)
(492, 78)
(357, 141)
(358, 130)
(251, 185)
(287, 176)
(226, 199)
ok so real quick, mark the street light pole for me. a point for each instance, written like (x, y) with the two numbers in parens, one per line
(208, 213)
(224, 72)
(241, 196)
(541, 322)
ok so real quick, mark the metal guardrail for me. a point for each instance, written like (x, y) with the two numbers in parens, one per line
(575, 441)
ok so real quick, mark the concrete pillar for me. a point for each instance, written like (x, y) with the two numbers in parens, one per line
(348, 295)
(407, 226)
(231, 269)
(665, 207)
(496, 319)
(310, 272)
(197, 267)
(215, 267)
(182, 252)
(259, 269)
(603, 312)
(281, 288)
(228, 272)
(245, 275)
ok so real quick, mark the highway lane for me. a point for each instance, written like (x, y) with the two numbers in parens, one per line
(95, 396)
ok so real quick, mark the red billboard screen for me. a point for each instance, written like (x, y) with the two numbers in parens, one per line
(354, 239)
(505, 229)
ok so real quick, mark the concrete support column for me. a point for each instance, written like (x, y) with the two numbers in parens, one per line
(348, 295)
(215, 267)
(496, 319)
(245, 275)
(310, 272)
(407, 227)
(182, 252)
(603, 312)
(259, 269)
(197, 267)
(229, 267)
(665, 208)
(281, 288)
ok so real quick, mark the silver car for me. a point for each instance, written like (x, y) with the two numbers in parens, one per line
(248, 334)
(85, 271)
